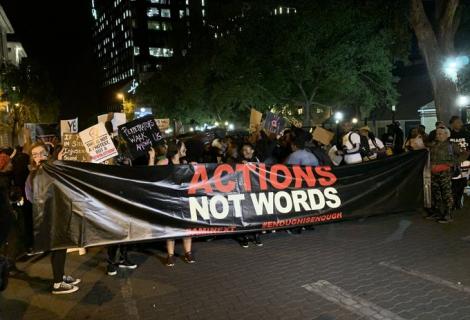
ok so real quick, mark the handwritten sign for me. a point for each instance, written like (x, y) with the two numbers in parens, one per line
(274, 123)
(68, 126)
(98, 143)
(74, 150)
(140, 135)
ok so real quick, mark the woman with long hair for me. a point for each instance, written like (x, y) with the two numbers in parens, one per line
(62, 284)
(175, 154)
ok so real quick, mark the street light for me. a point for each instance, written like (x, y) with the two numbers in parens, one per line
(463, 101)
(338, 116)
(452, 65)
(355, 121)
(120, 96)
(226, 123)
(231, 127)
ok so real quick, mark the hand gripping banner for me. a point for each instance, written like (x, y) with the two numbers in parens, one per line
(85, 204)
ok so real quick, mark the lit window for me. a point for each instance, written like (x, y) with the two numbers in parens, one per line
(152, 12)
(166, 26)
(160, 52)
(187, 2)
(187, 12)
(203, 3)
(153, 25)
(203, 12)
(156, 52)
(166, 13)
(181, 14)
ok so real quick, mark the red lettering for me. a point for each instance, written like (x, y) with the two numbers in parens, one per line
(325, 173)
(274, 177)
(199, 180)
(306, 176)
(229, 186)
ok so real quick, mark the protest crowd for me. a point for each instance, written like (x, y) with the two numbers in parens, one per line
(448, 145)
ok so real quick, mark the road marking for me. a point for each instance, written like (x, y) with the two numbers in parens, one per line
(356, 305)
(428, 277)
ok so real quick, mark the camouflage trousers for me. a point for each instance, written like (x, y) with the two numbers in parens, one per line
(441, 190)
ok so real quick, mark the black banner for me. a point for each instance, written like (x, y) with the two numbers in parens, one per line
(84, 204)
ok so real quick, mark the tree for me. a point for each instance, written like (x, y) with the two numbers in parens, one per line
(436, 38)
(28, 92)
(326, 55)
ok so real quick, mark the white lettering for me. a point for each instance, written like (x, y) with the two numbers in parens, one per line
(263, 204)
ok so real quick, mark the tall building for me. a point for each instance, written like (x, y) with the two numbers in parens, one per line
(134, 38)
(5, 28)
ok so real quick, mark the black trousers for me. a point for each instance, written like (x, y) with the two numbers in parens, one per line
(117, 253)
(58, 264)
(458, 187)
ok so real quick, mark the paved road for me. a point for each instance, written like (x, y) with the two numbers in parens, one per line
(389, 267)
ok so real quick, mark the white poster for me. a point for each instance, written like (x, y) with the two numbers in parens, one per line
(163, 124)
(118, 119)
(68, 126)
(98, 143)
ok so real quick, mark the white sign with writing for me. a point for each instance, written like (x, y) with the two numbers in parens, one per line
(68, 126)
(98, 143)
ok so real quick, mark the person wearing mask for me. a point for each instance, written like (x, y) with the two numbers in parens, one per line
(248, 156)
(443, 155)
(461, 137)
(63, 284)
(176, 151)
(351, 148)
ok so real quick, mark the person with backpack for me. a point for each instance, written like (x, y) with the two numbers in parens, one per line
(351, 144)
(371, 147)
(461, 137)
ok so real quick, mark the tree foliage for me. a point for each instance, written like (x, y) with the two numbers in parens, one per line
(28, 92)
(331, 55)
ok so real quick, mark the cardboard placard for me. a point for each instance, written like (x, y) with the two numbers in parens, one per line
(274, 123)
(118, 119)
(68, 126)
(163, 124)
(323, 136)
(74, 150)
(140, 135)
(98, 143)
(255, 120)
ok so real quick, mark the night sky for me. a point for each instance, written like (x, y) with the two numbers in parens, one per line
(57, 34)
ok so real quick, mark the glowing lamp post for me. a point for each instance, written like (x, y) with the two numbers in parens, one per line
(463, 101)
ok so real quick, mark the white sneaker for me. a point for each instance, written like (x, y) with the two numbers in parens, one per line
(63, 288)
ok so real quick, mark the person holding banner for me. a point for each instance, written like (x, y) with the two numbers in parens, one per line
(176, 151)
(248, 156)
(63, 284)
